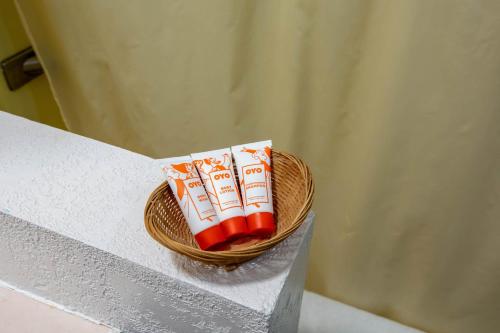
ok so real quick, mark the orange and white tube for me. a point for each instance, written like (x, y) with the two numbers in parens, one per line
(193, 200)
(217, 172)
(253, 162)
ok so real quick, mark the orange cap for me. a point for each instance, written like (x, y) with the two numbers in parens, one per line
(210, 237)
(261, 223)
(234, 227)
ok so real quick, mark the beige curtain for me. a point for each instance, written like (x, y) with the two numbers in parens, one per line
(394, 104)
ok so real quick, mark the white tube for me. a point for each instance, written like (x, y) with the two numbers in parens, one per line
(253, 162)
(193, 200)
(216, 170)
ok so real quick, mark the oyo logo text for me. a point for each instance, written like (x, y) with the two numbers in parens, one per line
(253, 170)
(194, 184)
(222, 176)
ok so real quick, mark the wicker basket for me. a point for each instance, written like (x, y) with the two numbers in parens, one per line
(293, 191)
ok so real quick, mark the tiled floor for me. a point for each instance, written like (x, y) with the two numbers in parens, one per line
(22, 314)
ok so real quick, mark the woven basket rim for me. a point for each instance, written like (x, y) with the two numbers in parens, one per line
(238, 255)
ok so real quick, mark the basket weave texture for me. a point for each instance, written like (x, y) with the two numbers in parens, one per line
(293, 191)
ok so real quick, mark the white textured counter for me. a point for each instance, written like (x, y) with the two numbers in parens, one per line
(71, 230)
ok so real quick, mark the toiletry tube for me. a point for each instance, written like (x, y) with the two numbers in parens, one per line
(217, 172)
(253, 162)
(193, 200)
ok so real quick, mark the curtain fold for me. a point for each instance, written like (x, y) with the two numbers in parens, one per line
(394, 104)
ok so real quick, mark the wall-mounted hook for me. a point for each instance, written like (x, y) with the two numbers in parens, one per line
(21, 68)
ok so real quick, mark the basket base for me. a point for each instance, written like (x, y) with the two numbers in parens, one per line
(241, 243)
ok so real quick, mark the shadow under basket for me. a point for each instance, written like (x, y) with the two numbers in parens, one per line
(293, 191)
